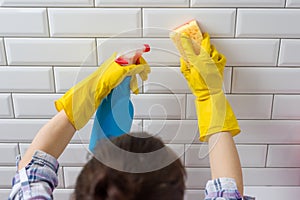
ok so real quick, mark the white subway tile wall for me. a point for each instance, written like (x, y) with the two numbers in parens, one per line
(48, 46)
(16, 22)
(292, 3)
(142, 3)
(94, 22)
(6, 110)
(289, 52)
(258, 23)
(218, 22)
(237, 3)
(286, 107)
(47, 3)
(2, 53)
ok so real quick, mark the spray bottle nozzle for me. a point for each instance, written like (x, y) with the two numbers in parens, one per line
(132, 56)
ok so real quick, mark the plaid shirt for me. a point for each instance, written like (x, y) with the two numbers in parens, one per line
(223, 189)
(37, 180)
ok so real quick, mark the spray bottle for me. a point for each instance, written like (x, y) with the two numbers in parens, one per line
(114, 116)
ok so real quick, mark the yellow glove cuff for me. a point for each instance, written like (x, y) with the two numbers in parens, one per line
(215, 115)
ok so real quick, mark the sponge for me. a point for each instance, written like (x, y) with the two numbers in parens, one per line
(192, 30)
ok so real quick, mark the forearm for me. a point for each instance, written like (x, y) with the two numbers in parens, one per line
(224, 158)
(52, 138)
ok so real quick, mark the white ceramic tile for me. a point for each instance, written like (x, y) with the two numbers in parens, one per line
(159, 106)
(6, 110)
(2, 53)
(217, 22)
(19, 129)
(35, 105)
(142, 3)
(194, 194)
(248, 52)
(178, 149)
(26, 79)
(260, 23)
(251, 106)
(227, 79)
(121, 23)
(274, 193)
(73, 155)
(286, 107)
(66, 77)
(237, 3)
(162, 53)
(190, 107)
(50, 51)
(289, 53)
(23, 22)
(62, 194)
(8, 153)
(60, 178)
(137, 126)
(293, 3)
(265, 80)
(244, 106)
(271, 176)
(250, 155)
(83, 135)
(171, 80)
(269, 131)
(197, 177)
(166, 80)
(173, 131)
(70, 175)
(4, 193)
(6, 176)
(48, 3)
(283, 156)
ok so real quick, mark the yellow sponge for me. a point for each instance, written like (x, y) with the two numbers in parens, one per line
(191, 29)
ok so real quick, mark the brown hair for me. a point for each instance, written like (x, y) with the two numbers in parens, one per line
(100, 181)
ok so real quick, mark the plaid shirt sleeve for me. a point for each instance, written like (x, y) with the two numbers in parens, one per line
(223, 189)
(37, 180)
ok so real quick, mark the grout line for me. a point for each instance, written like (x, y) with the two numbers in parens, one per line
(231, 83)
(148, 37)
(19, 149)
(235, 23)
(97, 55)
(157, 8)
(267, 152)
(278, 53)
(185, 108)
(285, 4)
(48, 22)
(142, 22)
(5, 52)
(13, 105)
(272, 106)
(54, 81)
(63, 177)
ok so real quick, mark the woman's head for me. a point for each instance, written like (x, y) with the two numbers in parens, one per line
(115, 172)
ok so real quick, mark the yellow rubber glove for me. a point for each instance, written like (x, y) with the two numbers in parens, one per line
(204, 74)
(82, 100)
